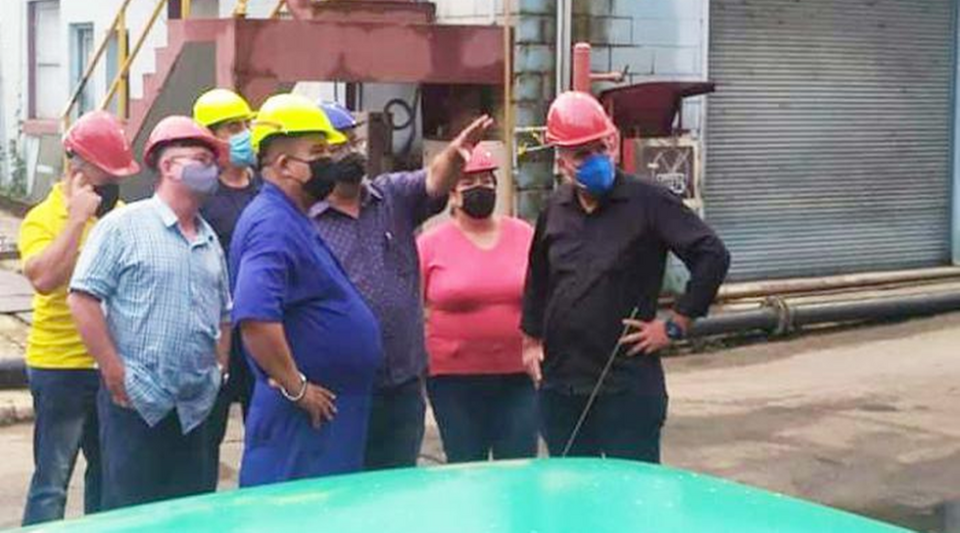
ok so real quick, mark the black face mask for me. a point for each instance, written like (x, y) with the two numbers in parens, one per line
(352, 168)
(478, 202)
(323, 177)
(109, 194)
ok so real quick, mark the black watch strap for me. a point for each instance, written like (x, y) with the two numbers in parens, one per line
(674, 331)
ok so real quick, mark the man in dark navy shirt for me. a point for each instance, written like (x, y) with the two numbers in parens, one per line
(228, 116)
(598, 259)
(369, 225)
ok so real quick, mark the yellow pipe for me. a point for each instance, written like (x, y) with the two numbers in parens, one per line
(92, 64)
(508, 103)
(240, 9)
(122, 56)
(125, 68)
(277, 8)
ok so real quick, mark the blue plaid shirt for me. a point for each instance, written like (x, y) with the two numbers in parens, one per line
(165, 298)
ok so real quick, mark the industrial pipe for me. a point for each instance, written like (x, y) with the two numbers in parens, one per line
(564, 38)
(581, 67)
(13, 374)
(738, 291)
(776, 317)
(781, 317)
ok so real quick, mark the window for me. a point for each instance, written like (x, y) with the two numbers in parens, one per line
(47, 91)
(81, 48)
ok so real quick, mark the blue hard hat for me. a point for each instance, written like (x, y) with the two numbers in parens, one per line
(340, 117)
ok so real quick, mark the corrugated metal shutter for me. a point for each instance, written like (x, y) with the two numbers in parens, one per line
(828, 139)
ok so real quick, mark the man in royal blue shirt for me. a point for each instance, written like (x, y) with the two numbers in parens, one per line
(315, 342)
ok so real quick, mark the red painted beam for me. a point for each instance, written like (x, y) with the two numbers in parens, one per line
(279, 52)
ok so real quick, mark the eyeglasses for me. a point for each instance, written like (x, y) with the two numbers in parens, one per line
(205, 159)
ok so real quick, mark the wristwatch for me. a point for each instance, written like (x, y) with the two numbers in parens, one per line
(674, 331)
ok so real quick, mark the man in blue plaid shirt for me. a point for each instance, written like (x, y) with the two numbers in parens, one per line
(158, 270)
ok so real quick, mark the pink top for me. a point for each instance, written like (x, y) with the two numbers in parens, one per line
(473, 299)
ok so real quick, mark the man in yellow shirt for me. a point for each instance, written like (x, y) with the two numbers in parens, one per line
(63, 376)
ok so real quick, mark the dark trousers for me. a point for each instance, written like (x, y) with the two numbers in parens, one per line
(144, 464)
(624, 425)
(395, 432)
(238, 388)
(479, 415)
(65, 422)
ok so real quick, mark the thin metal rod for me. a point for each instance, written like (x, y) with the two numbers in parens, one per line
(596, 388)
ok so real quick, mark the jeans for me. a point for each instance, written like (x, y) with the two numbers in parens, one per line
(395, 432)
(65, 422)
(624, 425)
(479, 415)
(143, 464)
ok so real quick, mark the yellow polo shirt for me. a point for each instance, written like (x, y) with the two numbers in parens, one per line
(53, 341)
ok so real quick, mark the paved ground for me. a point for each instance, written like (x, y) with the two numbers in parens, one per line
(865, 419)
(9, 228)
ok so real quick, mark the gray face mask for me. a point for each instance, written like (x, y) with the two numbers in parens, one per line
(201, 179)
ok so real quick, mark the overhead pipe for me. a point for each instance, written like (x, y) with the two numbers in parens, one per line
(849, 281)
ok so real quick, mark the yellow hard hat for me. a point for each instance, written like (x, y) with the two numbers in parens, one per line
(288, 114)
(220, 105)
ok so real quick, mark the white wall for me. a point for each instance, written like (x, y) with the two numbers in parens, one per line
(470, 11)
(101, 14)
(660, 40)
(13, 79)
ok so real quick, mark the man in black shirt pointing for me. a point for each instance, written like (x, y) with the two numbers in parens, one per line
(598, 259)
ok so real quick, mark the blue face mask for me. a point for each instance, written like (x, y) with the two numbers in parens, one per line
(596, 175)
(241, 150)
(201, 179)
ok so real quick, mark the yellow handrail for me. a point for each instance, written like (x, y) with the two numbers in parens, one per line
(240, 9)
(92, 64)
(122, 54)
(277, 8)
(125, 67)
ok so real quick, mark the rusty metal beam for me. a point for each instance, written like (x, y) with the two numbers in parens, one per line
(271, 51)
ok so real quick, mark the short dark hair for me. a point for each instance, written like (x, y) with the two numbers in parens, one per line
(268, 143)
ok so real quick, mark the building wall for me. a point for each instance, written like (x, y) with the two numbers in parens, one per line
(534, 65)
(12, 75)
(13, 47)
(657, 40)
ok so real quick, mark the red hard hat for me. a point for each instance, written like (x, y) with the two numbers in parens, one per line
(97, 138)
(481, 160)
(181, 128)
(577, 118)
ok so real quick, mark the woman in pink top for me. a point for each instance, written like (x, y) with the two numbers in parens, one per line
(473, 270)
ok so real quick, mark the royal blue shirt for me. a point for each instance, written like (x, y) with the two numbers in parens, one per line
(281, 271)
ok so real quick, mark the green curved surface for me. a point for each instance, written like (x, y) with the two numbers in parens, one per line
(549, 495)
